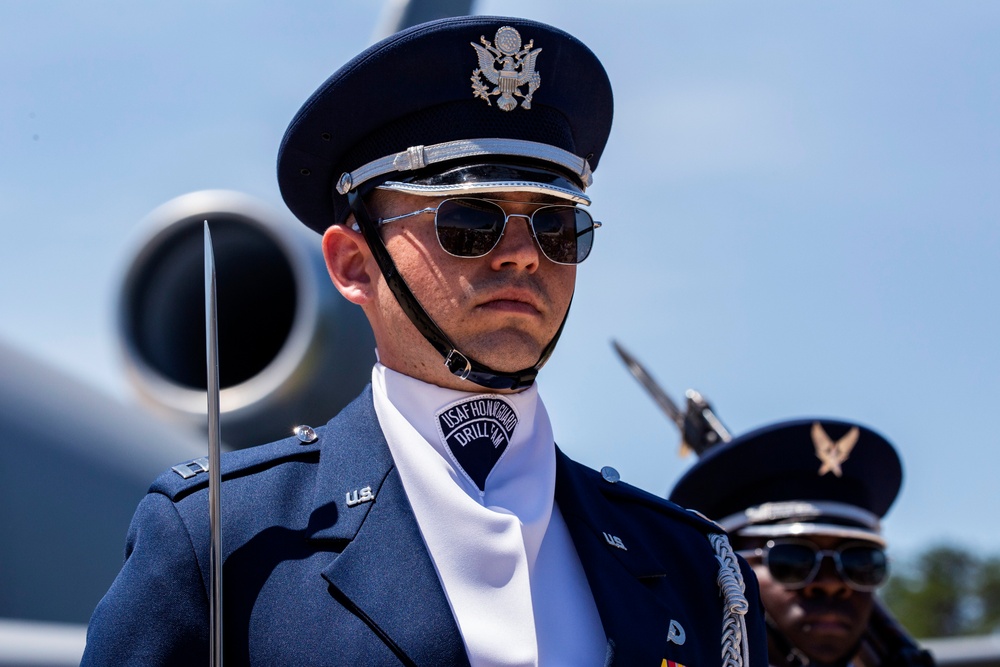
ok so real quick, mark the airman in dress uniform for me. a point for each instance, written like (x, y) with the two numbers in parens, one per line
(434, 521)
(803, 501)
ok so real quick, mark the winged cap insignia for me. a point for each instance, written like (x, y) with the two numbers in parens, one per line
(833, 454)
(508, 66)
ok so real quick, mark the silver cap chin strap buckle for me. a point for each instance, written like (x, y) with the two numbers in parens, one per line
(454, 361)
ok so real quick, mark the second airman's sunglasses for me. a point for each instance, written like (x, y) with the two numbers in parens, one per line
(795, 563)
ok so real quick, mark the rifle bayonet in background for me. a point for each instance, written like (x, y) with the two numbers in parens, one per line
(700, 428)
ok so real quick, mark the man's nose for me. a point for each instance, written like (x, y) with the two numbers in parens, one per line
(517, 246)
(828, 580)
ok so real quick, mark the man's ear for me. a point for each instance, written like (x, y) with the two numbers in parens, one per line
(349, 263)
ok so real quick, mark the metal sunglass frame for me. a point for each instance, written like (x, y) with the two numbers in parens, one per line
(594, 224)
(819, 555)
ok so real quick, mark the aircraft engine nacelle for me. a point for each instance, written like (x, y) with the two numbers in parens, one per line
(291, 349)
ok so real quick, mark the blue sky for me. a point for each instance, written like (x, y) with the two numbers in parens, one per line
(800, 202)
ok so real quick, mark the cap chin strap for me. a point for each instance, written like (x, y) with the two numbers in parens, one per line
(459, 364)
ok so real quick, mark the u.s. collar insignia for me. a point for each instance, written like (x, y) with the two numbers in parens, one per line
(359, 496)
(832, 454)
(508, 66)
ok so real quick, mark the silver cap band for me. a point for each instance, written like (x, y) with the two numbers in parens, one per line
(418, 157)
(794, 511)
(774, 530)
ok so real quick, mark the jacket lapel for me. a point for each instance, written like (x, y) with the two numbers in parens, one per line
(384, 573)
(634, 619)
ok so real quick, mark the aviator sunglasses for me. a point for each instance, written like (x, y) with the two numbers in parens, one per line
(472, 227)
(795, 563)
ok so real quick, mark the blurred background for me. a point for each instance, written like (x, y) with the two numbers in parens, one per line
(801, 218)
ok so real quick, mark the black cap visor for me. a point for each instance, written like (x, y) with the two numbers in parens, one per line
(489, 178)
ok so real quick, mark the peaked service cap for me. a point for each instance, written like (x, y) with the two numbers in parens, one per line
(479, 103)
(808, 476)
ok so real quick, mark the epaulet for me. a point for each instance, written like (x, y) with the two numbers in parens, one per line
(185, 478)
(625, 492)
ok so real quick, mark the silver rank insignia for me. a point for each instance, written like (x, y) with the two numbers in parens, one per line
(508, 66)
(832, 454)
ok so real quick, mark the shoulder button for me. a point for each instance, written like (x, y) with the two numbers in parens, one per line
(610, 475)
(306, 434)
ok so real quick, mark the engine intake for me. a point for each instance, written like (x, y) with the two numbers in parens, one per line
(291, 349)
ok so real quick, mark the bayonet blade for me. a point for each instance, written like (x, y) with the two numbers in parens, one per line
(214, 454)
(652, 386)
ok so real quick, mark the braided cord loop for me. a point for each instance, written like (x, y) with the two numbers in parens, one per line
(735, 649)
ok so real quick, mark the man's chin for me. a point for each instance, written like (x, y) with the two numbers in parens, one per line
(829, 658)
(507, 351)
(828, 650)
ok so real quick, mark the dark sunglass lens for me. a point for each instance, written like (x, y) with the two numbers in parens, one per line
(468, 227)
(565, 233)
(864, 565)
(791, 564)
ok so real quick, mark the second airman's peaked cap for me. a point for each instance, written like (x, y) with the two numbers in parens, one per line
(806, 476)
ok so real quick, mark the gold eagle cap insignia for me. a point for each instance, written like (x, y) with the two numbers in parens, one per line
(507, 66)
(833, 454)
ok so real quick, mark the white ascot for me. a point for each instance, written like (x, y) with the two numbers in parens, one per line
(503, 553)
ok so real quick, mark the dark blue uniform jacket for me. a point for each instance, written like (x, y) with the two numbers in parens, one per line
(311, 580)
